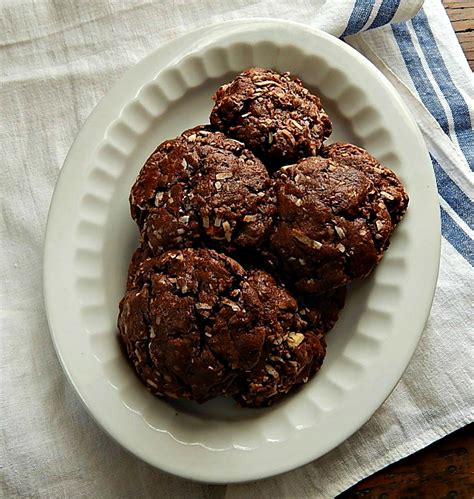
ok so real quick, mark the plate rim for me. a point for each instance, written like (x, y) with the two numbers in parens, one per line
(68, 165)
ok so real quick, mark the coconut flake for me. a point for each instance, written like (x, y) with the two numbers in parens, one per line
(306, 240)
(265, 83)
(271, 371)
(231, 304)
(159, 198)
(227, 230)
(224, 175)
(340, 232)
(296, 124)
(203, 306)
(294, 340)
(250, 218)
(386, 195)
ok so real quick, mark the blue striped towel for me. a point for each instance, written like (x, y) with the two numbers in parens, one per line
(423, 60)
(425, 63)
(70, 53)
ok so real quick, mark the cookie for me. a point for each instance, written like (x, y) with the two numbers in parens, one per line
(190, 323)
(333, 225)
(202, 188)
(273, 114)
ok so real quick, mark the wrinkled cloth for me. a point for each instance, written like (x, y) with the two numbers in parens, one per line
(57, 59)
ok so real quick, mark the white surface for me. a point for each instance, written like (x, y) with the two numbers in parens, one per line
(90, 238)
(57, 59)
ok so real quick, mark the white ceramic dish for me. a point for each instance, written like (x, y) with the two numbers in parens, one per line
(90, 238)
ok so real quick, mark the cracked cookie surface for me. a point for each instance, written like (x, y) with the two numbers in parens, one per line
(202, 188)
(385, 180)
(332, 227)
(292, 352)
(275, 116)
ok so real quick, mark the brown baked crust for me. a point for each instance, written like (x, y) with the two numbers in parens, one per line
(385, 180)
(292, 351)
(196, 325)
(142, 254)
(190, 322)
(332, 224)
(273, 114)
(322, 311)
(202, 188)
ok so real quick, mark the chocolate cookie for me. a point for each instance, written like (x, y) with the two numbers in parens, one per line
(190, 323)
(292, 350)
(196, 325)
(332, 227)
(385, 181)
(273, 114)
(202, 188)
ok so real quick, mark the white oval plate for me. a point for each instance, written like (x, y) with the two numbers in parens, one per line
(90, 238)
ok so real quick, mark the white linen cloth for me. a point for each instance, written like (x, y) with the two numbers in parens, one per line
(57, 59)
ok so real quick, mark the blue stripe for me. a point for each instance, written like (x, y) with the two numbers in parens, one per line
(418, 75)
(386, 13)
(359, 16)
(456, 237)
(453, 195)
(454, 98)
